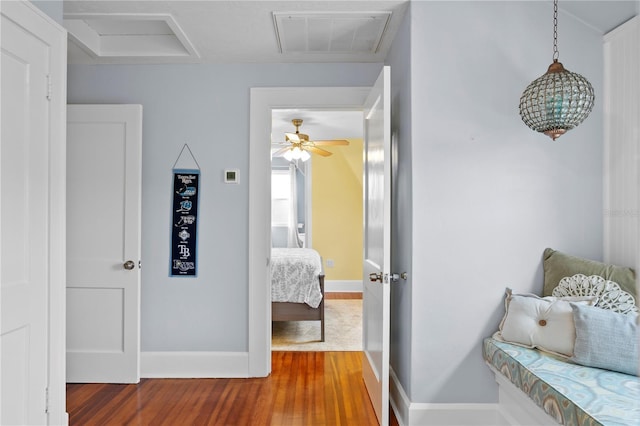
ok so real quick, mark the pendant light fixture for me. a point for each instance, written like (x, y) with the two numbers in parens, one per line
(559, 100)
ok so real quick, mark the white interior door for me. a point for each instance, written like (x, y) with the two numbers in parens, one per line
(377, 245)
(104, 149)
(24, 217)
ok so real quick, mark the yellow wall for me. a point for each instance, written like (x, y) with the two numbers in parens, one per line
(337, 210)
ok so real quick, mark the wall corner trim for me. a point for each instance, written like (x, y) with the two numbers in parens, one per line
(194, 365)
(454, 414)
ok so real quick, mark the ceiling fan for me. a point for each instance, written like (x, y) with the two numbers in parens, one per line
(298, 145)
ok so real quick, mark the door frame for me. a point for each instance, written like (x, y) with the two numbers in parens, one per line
(263, 101)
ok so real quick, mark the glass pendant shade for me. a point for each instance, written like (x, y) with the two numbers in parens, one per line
(296, 153)
(556, 102)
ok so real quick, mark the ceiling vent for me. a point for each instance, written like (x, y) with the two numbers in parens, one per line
(330, 32)
(118, 35)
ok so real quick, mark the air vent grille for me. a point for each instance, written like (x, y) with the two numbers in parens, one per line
(330, 32)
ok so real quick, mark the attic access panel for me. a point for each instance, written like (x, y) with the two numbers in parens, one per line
(330, 32)
(125, 35)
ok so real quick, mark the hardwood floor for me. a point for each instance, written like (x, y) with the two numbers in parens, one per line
(343, 295)
(304, 388)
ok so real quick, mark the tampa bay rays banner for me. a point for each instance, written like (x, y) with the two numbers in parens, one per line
(184, 235)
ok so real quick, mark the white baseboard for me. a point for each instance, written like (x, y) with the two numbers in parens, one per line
(343, 286)
(456, 415)
(419, 414)
(398, 398)
(194, 364)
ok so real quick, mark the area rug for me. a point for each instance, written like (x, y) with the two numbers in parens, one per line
(342, 329)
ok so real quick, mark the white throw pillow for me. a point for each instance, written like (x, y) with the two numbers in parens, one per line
(541, 322)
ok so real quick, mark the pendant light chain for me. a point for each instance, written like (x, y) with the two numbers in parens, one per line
(556, 54)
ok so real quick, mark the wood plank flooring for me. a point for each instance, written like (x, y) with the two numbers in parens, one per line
(304, 388)
(343, 295)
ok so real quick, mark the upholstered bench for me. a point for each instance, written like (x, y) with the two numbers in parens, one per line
(539, 388)
(572, 356)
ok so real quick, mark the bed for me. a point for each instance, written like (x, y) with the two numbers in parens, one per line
(297, 286)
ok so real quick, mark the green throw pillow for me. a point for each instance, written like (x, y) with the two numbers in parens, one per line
(558, 265)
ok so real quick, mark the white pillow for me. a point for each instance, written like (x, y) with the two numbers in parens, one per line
(541, 322)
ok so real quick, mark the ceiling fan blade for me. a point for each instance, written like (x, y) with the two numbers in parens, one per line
(331, 142)
(318, 151)
(293, 137)
(281, 151)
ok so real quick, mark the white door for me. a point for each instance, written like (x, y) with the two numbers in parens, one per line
(377, 245)
(28, 196)
(104, 150)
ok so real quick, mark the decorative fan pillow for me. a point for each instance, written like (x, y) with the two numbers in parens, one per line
(540, 322)
(610, 295)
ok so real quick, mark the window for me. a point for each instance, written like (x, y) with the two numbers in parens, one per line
(280, 194)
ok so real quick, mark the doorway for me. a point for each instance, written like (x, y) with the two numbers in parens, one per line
(263, 102)
(326, 200)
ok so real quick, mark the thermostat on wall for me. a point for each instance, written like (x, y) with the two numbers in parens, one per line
(231, 176)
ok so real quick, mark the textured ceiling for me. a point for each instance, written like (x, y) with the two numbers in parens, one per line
(318, 124)
(244, 31)
(234, 31)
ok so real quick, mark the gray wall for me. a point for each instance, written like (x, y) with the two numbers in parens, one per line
(489, 194)
(206, 106)
(401, 203)
(53, 8)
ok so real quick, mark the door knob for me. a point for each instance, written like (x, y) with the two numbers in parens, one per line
(396, 277)
(129, 265)
(373, 277)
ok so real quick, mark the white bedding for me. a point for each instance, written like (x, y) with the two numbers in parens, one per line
(294, 276)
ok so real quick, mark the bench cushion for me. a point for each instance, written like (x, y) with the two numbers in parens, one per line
(570, 393)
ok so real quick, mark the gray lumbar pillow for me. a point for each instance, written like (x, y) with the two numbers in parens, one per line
(606, 339)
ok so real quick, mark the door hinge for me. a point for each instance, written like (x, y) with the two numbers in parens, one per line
(49, 87)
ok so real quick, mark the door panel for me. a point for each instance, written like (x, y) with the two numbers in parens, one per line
(24, 276)
(377, 245)
(103, 232)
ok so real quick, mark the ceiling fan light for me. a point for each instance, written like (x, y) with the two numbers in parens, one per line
(296, 153)
(299, 147)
